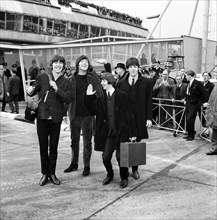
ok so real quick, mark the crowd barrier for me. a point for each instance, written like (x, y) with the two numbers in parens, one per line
(170, 115)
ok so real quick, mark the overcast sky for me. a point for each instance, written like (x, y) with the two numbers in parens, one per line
(175, 22)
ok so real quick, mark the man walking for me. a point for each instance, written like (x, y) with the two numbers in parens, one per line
(80, 118)
(196, 96)
(13, 92)
(139, 91)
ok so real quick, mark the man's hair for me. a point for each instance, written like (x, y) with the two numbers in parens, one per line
(79, 59)
(132, 61)
(57, 57)
(109, 77)
(208, 74)
(190, 72)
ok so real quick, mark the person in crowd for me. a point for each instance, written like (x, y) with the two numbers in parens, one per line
(80, 118)
(7, 72)
(179, 93)
(211, 117)
(183, 75)
(67, 73)
(42, 70)
(153, 58)
(196, 96)
(5, 83)
(139, 91)
(143, 60)
(114, 124)
(158, 69)
(121, 71)
(54, 90)
(107, 65)
(1, 82)
(13, 92)
(145, 73)
(33, 71)
(208, 87)
(163, 90)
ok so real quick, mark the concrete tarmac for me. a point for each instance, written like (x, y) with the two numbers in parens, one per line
(178, 182)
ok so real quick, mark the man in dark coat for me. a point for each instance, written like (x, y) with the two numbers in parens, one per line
(80, 118)
(7, 72)
(114, 124)
(139, 91)
(120, 70)
(195, 98)
(208, 87)
(13, 92)
(179, 93)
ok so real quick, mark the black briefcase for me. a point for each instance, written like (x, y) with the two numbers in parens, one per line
(132, 154)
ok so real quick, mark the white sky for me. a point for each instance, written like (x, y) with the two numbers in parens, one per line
(175, 22)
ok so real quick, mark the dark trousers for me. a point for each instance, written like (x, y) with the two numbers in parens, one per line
(84, 123)
(48, 136)
(191, 114)
(107, 156)
(4, 102)
(13, 103)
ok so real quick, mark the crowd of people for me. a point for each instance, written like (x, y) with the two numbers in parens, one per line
(104, 11)
(112, 107)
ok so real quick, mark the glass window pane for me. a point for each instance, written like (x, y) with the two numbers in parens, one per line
(2, 20)
(10, 21)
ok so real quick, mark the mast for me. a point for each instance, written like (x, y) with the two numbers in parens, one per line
(205, 35)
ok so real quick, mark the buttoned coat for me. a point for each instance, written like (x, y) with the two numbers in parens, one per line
(144, 94)
(198, 93)
(124, 121)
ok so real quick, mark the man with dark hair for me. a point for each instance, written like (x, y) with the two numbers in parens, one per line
(33, 71)
(13, 92)
(139, 91)
(80, 118)
(114, 124)
(196, 96)
(7, 72)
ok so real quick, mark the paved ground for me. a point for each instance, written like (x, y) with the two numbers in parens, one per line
(178, 182)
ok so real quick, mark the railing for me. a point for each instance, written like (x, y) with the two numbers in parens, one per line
(170, 115)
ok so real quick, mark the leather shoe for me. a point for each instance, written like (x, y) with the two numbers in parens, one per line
(86, 171)
(107, 180)
(72, 167)
(185, 137)
(43, 180)
(190, 139)
(124, 183)
(136, 175)
(211, 153)
(54, 179)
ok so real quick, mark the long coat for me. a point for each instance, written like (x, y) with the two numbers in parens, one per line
(124, 121)
(144, 94)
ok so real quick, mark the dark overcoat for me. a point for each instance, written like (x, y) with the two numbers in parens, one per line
(14, 85)
(144, 93)
(124, 120)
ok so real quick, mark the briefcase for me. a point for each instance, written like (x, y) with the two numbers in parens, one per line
(132, 154)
